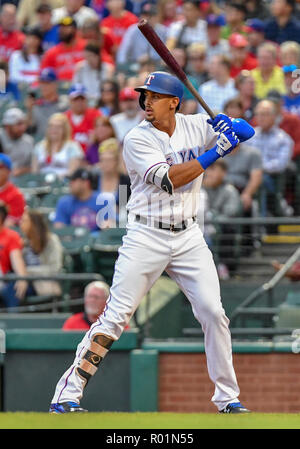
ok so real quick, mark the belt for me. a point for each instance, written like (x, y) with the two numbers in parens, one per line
(168, 227)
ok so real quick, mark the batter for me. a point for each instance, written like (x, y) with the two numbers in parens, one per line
(165, 155)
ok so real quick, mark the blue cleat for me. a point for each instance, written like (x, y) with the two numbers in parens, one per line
(235, 407)
(66, 407)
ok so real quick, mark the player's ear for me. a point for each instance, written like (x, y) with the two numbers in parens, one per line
(174, 103)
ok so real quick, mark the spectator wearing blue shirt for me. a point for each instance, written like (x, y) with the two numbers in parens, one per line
(9, 93)
(80, 207)
(283, 26)
(44, 24)
(291, 101)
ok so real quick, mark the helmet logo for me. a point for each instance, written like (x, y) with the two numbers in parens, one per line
(149, 79)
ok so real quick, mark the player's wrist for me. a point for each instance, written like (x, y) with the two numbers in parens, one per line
(209, 157)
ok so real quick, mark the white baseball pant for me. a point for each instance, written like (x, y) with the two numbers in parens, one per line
(147, 252)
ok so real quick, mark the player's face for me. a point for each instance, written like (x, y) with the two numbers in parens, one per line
(159, 106)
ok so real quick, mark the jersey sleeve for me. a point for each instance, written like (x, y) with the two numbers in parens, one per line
(141, 155)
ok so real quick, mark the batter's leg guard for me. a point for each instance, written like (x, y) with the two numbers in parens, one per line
(98, 348)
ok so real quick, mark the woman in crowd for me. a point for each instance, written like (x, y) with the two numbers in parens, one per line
(109, 101)
(24, 64)
(42, 253)
(103, 130)
(57, 152)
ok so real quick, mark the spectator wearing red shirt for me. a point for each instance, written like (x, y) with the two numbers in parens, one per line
(10, 195)
(64, 56)
(11, 260)
(119, 19)
(96, 295)
(81, 118)
(91, 31)
(10, 38)
(240, 57)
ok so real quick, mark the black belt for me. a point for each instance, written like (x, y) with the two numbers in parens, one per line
(168, 227)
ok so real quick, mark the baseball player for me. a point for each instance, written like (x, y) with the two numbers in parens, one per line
(165, 155)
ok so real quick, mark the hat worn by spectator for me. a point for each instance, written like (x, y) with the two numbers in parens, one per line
(81, 173)
(48, 75)
(44, 7)
(127, 93)
(255, 25)
(67, 21)
(237, 40)
(215, 20)
(289, 68)
(274, 95)
(77, 90)
(13, 116)
(6, 161)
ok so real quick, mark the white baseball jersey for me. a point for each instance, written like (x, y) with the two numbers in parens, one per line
(146, 147)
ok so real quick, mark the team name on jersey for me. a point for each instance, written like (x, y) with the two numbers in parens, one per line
(185, 155)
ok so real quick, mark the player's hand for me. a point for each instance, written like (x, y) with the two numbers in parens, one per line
(220, 122)
(226, 142)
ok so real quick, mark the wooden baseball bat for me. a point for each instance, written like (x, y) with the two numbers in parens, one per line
(171, 62)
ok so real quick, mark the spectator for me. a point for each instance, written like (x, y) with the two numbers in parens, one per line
(11, 39)
(27, 11)
(257, 9)
(134, 46)
(130, 114)
(244, 168)
(57, 153)
(42, 253)
(267, 75)
(245, 86)
(289, 122)
(10, 195)
(282, 26)
(216, 45)
(275, 144)
(240, 57)
(95, 297)
(103, 130)
(111, 180)
(15, 142)
(255, 35)
(220, 87)
(291, 100)
(189, 105)
(24, 64)
(49, 32)
(91, 71)
(197, 62)
(276, 147)
(235, 15)
(11, 95)
(191, 29)
(75, 9)
(91, 31)
(64, 56)
(81, 117)
(80, 207)
(39, 110)
(223, 201)
(289, 53)
(109, 101)
(118, 20)
(167, 12)
(11, 261)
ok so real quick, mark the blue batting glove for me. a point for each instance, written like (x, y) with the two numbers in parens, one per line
(220, 122)
(226, 142)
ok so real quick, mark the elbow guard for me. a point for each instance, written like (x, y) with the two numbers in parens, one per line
(160, 177)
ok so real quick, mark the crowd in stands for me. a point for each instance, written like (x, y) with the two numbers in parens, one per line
(68, 69)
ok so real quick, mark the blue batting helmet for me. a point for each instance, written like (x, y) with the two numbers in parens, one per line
(162, 83)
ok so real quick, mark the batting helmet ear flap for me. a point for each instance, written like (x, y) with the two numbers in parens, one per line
(142, 99)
